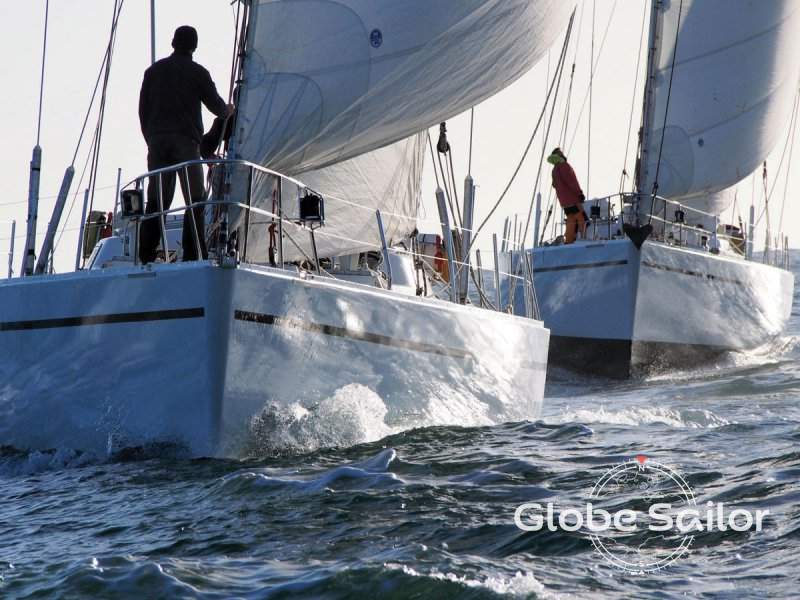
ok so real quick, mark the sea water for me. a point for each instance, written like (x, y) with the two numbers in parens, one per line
(427, 513)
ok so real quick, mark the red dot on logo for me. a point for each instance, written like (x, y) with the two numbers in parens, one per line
(641, 458)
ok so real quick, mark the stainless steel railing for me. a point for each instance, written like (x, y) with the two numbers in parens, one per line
(673, 223)
(221, 188)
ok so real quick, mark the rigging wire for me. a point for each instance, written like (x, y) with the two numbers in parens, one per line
(75, 195)
(568, 106)
(446, 180)
(53, 197)
(556, 80)
(444, 184)
(562, 136)
(591, 95)
(768, 194)
(471, 129)
(433, 159)
(452, 172)
(560, 72)
(536, 187)
(237, 51)
(764, 180)
(633, 99)
(594, 69)
(41, 81)
(560, 143)
(91, 102)
(793, 126)
(240, 26)
(102, 109)
(544, 142)
(550, 204)
(666, 114)
(104, 68)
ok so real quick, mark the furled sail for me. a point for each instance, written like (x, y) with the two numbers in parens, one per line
(736, 74)
(387, 179)
(327, 80)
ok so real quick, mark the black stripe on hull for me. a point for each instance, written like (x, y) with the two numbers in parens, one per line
(608, 263)
(352, 334)
(691, 273)
(621, 359)
(110, 319)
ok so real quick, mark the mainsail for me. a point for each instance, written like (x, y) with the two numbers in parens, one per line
(328, 80)
(736, 73)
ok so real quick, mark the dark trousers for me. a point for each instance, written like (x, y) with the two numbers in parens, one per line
(164, 151)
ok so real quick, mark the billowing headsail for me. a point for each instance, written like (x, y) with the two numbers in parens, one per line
(736, 75)
(326, 80)
(387, 178)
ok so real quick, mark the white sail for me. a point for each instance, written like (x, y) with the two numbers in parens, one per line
(714, 203)
(387, 179)
(329, 80)
(735, 78)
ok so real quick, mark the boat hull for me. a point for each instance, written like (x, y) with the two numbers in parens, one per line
(616, 311)
(197, 355)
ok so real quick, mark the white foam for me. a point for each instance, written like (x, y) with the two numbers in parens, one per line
(353, 415)
(774, 351)
(642, 415)
(520, 585)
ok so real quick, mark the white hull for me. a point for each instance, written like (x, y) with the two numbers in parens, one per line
(192, 354)
(613, 309)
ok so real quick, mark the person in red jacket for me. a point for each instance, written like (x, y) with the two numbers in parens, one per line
(570, 195)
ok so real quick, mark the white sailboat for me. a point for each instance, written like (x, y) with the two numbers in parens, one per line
(201, 354)
(659, 280)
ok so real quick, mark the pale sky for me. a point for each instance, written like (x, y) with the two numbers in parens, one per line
(79, 32)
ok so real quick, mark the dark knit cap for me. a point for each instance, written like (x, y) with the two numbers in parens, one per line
(185, 39)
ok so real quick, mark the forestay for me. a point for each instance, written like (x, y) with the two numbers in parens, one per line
(326, 81)
(736, 74)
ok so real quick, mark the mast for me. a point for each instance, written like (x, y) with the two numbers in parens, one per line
(649, 106)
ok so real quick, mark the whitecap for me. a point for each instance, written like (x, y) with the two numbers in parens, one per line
(641, 415)
(520, 585)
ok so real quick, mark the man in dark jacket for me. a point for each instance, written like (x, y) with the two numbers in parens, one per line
(170, 114)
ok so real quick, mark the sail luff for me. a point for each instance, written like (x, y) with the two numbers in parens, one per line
(648, 100)
(737, 67)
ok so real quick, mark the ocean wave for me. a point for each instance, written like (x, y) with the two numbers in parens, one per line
(371, 473)
(14, 463)
(641, 415)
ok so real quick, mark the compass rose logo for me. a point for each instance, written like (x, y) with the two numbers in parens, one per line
(644, 491)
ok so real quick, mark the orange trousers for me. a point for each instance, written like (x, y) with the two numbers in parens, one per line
(576, 222)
